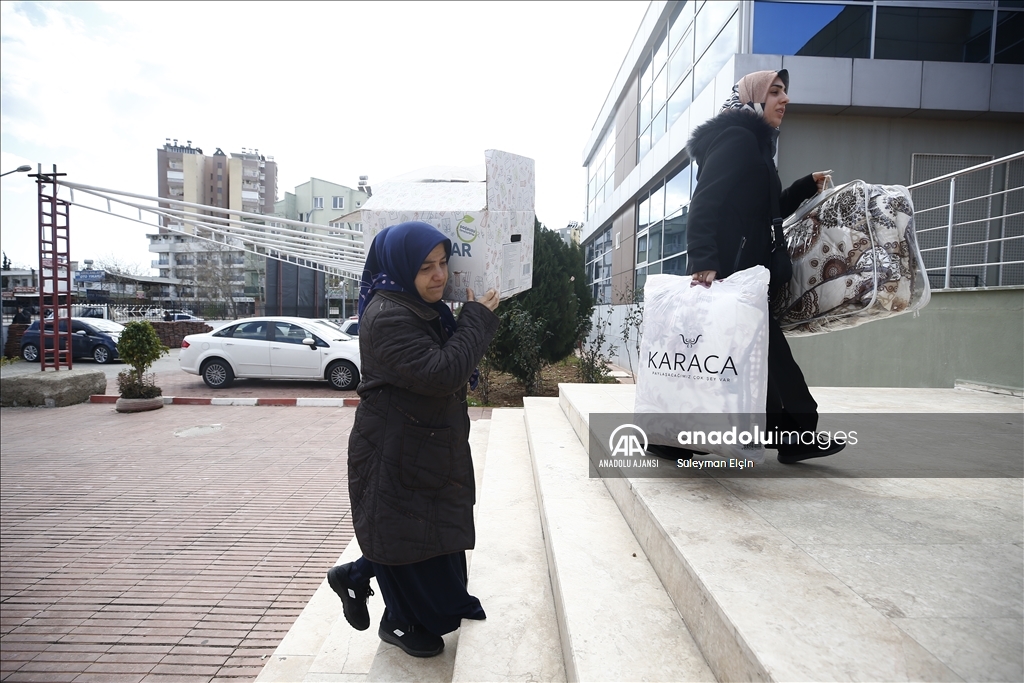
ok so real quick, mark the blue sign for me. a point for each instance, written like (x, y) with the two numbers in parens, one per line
(89, 275)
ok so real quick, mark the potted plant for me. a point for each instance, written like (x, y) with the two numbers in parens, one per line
(139, 347)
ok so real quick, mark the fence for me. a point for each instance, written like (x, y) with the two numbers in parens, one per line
(970, 222)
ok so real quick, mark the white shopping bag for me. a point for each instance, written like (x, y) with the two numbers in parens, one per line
(705, 351)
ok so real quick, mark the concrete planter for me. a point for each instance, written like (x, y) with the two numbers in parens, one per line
(137, 405)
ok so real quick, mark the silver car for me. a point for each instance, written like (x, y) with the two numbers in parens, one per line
(272, 348)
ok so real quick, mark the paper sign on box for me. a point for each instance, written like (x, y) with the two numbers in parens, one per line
(489, 222)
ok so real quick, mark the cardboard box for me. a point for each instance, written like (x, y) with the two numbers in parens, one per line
(489, 221)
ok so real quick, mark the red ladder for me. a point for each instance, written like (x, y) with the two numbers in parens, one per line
(54, 274)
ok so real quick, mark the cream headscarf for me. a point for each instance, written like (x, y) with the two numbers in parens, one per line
(752, 91)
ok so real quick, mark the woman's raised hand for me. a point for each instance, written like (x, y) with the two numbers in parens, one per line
(490, 299)
(823, 179)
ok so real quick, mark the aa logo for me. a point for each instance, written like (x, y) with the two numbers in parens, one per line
(628, 443)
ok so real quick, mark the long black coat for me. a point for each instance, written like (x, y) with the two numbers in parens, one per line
(732, 202)
(410, 468)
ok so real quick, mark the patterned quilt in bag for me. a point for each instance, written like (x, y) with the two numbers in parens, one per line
(855, 259)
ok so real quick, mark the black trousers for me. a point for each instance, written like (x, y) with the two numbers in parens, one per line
(431, 593)
(790, 404)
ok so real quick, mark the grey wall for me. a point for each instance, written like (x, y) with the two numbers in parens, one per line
(972, 335)
(879, 149)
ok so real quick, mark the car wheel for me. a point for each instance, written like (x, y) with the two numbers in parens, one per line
(101, 354)
(342, 375)
(217, 374)
(30, 352)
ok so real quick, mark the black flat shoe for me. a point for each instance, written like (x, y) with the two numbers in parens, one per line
(354, 596)
(795, 453)
(413, 640)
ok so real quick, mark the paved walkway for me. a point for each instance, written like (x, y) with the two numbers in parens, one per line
(176, 545)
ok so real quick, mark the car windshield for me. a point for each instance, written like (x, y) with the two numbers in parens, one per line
(106, 325)
(328, 330)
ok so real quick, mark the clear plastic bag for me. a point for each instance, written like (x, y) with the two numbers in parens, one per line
(855, 259)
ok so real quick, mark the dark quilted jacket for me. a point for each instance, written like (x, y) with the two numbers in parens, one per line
(410, 468)
(731, 204)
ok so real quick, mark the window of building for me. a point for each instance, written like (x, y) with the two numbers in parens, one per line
(598, 254)
(601, 173)
(338, 203)
(935, 34)
(813, 30)
(686, 56)
(1010, 37)
(661, 216)
(318, 202)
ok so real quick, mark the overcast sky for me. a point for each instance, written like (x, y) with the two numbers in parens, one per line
(331, 90)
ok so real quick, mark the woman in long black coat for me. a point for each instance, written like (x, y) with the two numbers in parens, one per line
(730, 228)
(410, 469)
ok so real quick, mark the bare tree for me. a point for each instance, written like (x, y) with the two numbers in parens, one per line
(120, 271)
(217, 279)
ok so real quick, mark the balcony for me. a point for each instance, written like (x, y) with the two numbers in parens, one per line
(248, 173)
(162, 263)
(175, 165)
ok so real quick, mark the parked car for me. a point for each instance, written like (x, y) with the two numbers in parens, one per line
(90, 338)
(180, 316)
(350, 326)
(337, 325)
(93, 312)
(272, 348)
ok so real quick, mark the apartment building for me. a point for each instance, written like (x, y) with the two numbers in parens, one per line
(209, 270)
(325, 204)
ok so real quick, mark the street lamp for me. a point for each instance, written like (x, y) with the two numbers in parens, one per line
(25, 168)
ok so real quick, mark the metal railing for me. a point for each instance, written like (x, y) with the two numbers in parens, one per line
(970, 225)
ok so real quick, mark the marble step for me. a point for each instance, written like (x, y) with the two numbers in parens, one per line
(519, 639)
(833, 579)
(615, 620)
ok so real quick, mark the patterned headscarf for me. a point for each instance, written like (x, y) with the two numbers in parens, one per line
(751, 92)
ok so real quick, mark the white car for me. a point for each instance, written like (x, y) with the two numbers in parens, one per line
(349, 326)
(272, 348)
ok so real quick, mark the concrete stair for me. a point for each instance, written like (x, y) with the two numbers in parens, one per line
(698, 579)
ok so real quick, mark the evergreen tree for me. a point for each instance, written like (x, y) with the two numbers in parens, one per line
(559, 305)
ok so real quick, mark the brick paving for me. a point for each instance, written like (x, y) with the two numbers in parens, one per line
(157, 547)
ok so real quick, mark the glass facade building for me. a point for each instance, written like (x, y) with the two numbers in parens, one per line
(860, 70)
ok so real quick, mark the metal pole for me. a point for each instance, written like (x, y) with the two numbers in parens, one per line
(949, 231)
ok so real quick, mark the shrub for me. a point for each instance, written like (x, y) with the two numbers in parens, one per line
(129, 386)
(593, 368)
(139, 347)
(526, 335)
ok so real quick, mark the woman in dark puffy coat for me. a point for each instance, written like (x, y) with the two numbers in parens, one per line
(410, 469)
(730, 228)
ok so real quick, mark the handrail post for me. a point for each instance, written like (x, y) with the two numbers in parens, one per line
(949, 231)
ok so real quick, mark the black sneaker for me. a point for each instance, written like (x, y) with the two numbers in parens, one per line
(791, 454)
(414, 640)
(353, 596)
